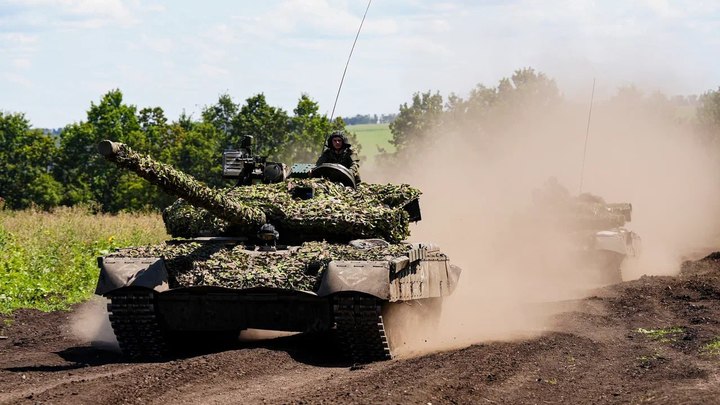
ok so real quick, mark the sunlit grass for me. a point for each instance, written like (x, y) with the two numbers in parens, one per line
(712, 347)
(372, 136)
(662, 335)
(48, 261)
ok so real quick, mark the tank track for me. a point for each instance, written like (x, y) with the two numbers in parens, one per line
(361, 329)
(136, 326)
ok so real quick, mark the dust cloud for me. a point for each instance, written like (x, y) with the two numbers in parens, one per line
(477, 193)
(90, 324)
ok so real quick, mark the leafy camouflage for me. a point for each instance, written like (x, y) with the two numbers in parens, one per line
(185, 186)
(583, 212)
(594, 215)
(334, 213)
(213, 264)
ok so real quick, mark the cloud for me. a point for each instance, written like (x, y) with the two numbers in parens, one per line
(213, 71)
(286, 47)
(313, 19)
(16, 79)
(44, 15)
(17, 48)
(17, 41)
(21, 63)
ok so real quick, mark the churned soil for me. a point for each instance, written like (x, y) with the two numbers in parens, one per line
(651, 340)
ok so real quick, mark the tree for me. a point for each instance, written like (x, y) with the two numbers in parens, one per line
(222, 115)
(26, 158)
(88, 177)
(277, 135)
(708, 115)
(308, 132)
(155, 135)
(270, 126)
(361, 119)
(198, 152)
(488, 112)
(527, 89)
(415, 122)
(492, 110)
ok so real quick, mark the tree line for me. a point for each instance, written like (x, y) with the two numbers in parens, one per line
(360, 119)
(45, 170)
(42, 169)
(516, 102)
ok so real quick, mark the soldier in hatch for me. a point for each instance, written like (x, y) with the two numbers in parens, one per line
(338, 150)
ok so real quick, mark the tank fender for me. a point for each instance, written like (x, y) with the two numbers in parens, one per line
(425, 272)
(453, 273)
(370, 277)
(618, 240)
(118, 272)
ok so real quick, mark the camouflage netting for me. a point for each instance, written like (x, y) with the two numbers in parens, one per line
(593, 216)
(335, 212)
(178, 183)
(583, 212)
(195, 264)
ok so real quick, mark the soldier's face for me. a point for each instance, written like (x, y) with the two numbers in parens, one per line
(337, 143)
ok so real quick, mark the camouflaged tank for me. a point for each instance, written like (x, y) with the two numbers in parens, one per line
(597, 229)
(300, 250)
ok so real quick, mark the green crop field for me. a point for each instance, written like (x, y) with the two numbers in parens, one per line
(48, 260)
(372, 136)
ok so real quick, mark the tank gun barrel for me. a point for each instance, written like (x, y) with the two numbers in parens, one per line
(181, 185)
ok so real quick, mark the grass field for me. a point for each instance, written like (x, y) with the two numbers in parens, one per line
(372, 136)
(48, 261)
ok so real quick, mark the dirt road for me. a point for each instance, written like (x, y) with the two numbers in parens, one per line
(652, 340)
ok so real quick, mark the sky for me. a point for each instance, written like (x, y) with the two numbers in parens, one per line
(59, 56)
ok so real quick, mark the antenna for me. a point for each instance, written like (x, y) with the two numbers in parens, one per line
(332, 115)
(587, 135)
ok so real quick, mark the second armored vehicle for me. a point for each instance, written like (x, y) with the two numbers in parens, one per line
(595, 228)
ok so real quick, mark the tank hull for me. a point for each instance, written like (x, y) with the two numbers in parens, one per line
(151, 317)
(604, 252)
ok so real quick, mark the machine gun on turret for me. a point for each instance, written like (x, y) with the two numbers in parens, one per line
(248, 168)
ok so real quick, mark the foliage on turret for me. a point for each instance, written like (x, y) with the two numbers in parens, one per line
(334, 212)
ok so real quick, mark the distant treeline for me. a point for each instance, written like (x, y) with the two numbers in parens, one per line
(370, 119)
(46, 169)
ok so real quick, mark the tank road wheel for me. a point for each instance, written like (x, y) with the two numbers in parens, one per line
(360, 328)
(134, 320)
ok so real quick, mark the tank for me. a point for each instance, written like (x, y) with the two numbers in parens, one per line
(300, 249)
(596, 230)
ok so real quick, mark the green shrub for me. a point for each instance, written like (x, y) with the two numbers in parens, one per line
(712, 347)
(662, 335)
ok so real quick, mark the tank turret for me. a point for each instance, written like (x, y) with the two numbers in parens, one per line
(301, 209)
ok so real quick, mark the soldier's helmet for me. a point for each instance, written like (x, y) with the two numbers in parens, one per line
(337, 134)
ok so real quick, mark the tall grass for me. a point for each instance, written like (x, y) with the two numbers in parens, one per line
(48, 261)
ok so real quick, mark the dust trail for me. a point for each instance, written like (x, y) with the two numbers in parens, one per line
(90, 324)
(478, 190)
